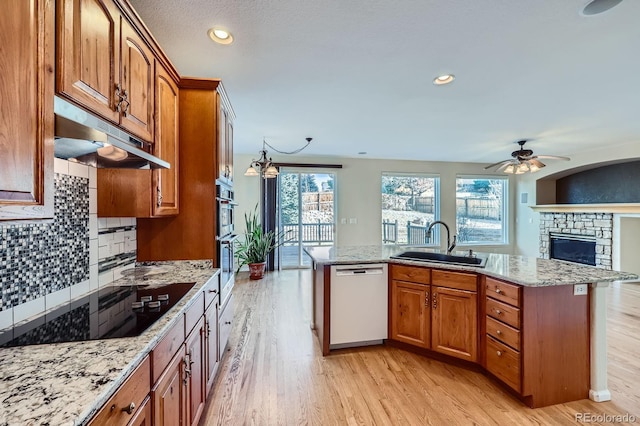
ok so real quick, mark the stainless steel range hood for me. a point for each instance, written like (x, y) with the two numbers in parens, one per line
(86, 139)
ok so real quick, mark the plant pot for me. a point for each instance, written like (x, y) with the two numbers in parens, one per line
(256, 270)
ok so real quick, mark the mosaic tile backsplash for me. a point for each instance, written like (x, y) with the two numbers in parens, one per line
(39, 258)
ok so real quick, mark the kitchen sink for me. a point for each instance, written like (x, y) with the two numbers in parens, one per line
(424, 256)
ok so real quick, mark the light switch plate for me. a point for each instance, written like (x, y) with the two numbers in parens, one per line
(580, 289)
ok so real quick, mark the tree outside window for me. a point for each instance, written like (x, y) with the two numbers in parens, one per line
(481, 210)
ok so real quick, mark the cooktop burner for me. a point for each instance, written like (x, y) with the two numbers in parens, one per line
(111, 312)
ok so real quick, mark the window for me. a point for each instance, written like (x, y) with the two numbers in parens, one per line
(481, 210)
(410, 203)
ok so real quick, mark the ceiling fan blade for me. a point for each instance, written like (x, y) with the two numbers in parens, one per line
(503, 164)
(552, 157)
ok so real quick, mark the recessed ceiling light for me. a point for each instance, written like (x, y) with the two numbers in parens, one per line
(220, 35)
(443, 79)
(597, 7)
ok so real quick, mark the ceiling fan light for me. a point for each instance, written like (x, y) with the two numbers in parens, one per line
(522, 168)
(510, 169)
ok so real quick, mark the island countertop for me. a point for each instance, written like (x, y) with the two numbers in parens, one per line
(526, 271)
(66, 383)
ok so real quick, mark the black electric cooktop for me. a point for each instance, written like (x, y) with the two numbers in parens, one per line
(111, 312)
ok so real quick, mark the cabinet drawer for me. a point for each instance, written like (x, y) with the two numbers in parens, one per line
(168, 346)
(193, 314)
(411, 273)
(508, 293)
(458, 280)
(131, 395)
(504, 363)
(508, 335)
(211, 290)
(503, 312)
(225, 323)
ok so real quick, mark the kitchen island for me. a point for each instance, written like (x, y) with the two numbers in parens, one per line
(67, 383)
(537, 325)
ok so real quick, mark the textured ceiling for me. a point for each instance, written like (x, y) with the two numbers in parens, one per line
(357, 75)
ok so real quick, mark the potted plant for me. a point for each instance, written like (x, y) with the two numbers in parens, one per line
(255, 245)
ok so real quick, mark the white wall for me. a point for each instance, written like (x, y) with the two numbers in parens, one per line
(527, 227)
(358, 186)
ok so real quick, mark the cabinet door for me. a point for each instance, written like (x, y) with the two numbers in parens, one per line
(222, 141)
(195, 373)
(165, 181)
(26, 109)
(455, 324)
(89, 54)
(137, 80)
(169, 394)
(211, 357)
(410, 313)
(229, 147)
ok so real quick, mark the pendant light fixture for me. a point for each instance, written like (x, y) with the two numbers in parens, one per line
(264, 165)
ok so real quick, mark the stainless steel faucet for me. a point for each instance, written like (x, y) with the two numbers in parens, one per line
(450, 245)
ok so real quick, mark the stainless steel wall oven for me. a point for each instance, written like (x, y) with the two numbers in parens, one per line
(225, 238)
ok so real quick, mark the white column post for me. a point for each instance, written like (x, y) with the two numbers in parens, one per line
(599, 391)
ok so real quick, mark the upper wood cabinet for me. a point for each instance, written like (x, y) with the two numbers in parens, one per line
(104, 64)
(165, 181)
(26, 109)
(225, 139)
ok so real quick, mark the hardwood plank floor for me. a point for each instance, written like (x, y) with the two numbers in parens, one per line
(274, 372)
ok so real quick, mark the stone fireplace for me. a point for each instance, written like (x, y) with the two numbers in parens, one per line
(598, 226)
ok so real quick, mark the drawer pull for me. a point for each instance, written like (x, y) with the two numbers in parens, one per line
(498, 290)
(426, 299)
(498, 332)
(227, 322)
(130, 408)
(499, 353)
(498, 312)
(213, 291)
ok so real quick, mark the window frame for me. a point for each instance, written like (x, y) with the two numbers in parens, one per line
(505, 209)
(435, 236)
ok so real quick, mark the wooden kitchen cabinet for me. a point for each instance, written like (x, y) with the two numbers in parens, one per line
(410, 315)
(192, 233)
(128, 403)
(168, 394)
(225, 141)
(454, 322)
(104, 65)
(148, 193)
(195, 377)
(27, 36)
(435, 309)
(212, 360)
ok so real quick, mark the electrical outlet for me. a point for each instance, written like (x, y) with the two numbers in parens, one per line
(353, 220)
(343, 221)
(580, 289)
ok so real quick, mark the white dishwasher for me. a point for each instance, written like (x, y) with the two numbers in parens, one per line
(359, 304)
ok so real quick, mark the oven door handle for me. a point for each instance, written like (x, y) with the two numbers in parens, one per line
(226, 201)
(227, 239)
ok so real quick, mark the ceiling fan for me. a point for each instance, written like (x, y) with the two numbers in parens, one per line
(523, 161)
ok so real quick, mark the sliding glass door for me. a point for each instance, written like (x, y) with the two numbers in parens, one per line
(306, 214)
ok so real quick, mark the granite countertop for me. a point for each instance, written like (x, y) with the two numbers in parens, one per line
(66, 383)
(526, 271)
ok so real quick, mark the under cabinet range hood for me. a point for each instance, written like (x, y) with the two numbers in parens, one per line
(84, 138)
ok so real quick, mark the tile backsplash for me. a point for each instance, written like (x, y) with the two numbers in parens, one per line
(46, 263)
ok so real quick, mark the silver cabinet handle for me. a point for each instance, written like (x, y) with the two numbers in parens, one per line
(498, 332)
(499, 353)
(498, 312)
(498, 290)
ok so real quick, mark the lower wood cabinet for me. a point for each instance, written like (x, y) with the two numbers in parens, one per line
(169, 394)
(454, 329)
(171, 386)
(126, 403)
(435, 317)
(410, 313)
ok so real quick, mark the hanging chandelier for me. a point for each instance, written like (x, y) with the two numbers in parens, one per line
(264, 166)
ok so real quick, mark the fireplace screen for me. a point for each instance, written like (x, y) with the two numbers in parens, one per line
(573, 248)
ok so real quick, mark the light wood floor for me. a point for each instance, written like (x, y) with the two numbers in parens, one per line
(274, 373)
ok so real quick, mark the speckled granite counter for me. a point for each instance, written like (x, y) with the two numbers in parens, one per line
(527, 271)
(66, 383)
